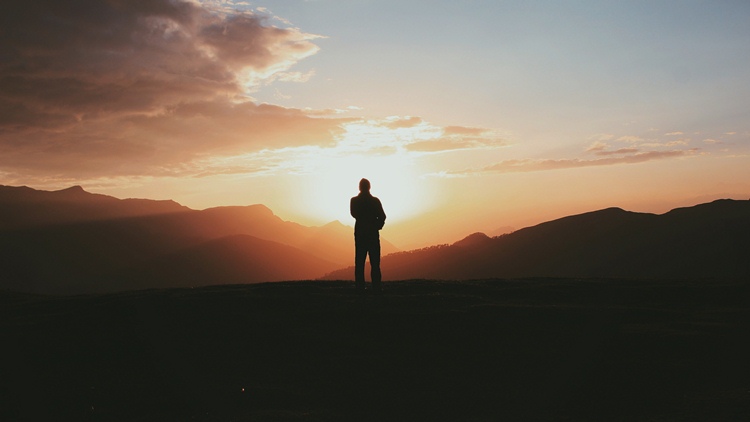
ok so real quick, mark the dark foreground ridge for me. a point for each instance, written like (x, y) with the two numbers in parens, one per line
(536, 349)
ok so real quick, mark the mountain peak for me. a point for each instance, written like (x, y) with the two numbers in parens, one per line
(73, 190)
(720, 208)
(24, 207)
(474, 239)
(610, 210)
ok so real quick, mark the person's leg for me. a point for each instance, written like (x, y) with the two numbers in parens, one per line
(360, 255)
(375, 274)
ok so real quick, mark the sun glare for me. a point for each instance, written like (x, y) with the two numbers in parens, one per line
(373, 150)
(393, 180)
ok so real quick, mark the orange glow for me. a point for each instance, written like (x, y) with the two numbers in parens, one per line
(367, 149)
(394, 180)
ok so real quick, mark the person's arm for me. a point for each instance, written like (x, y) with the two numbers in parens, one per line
(381, 215)
(353, 208)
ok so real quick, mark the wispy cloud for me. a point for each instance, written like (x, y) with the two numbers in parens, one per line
(528, 165)
(464, 131)
(396, 122)
(631, 139)
(356, 138)
(295, 76)
(601, 148)
(458, 138)
(621, 151)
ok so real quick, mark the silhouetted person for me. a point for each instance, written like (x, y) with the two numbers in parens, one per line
(368, 211)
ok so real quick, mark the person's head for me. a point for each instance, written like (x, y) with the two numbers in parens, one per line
(364, 185)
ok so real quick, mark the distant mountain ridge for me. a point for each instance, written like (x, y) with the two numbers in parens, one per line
(24, 207)
(75, 241)
(72, 241)
(706, 240)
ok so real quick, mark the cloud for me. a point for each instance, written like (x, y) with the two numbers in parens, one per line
(463, 130)
(526, 165)
(458, 137)
(630, 139)
(396, 122)
(411, 134)
(621, 151)
(159, 143)
(448, 143)
(668, 144)
(647, 143)
(440, 144)
(677, 142)
(295, 76)
(328, 112)
(600, 148)
(134, 87)
(597, 146)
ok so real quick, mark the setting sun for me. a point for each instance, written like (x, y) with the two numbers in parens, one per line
(393, 180)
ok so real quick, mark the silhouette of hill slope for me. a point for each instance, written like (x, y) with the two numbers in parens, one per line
(229, 260)
(338, 240)
(23, 207)
(123, 255)
(331, 242)
(56, 252)
(707, 240)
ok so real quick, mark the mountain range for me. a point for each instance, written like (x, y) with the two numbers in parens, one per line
(704, 241)
(73, 241)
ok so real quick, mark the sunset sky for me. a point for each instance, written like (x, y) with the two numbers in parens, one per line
(465, 116)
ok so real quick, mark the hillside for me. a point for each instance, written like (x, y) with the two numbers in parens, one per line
(23, 207)
(228, 260)
(707, 240)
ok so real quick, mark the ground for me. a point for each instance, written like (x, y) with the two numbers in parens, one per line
(537, 350)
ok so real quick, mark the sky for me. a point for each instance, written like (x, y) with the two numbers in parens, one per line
(465, 116)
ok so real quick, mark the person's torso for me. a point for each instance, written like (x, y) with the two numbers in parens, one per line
(368, 213)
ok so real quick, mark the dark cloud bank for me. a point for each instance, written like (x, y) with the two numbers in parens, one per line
(93, 87)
